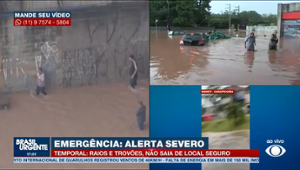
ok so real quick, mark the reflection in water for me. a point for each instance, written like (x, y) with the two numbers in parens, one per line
(223, 62)
(249, 59)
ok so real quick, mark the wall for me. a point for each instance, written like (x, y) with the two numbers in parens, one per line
(93, 50)
(292, 7)
(181, 28)
(261, 31)
(285, 8)
(20, 5)
(279, 21)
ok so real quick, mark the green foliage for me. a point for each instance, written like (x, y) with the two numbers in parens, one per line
(235, 113)
(197, 12)
(243, 19)
(179, 13)
(224, 125)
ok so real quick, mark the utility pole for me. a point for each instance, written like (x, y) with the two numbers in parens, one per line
(168, 12)
(238, 9)
(229, 13)
(238, 13)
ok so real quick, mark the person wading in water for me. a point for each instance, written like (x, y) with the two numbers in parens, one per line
(250, 42)
(133, 72)
(273, 41)
(41, 82)
(141, 115)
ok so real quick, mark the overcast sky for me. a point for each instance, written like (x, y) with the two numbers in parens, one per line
(261, 7)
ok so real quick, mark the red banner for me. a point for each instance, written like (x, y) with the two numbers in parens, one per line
(291, 15)
(224, 91)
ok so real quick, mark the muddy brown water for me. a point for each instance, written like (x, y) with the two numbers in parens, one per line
(222, 62)
(99, 111)
(228, 140)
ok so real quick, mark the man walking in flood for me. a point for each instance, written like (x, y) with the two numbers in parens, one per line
(141, 115)
(250, 42)
(273, 41)
(133, 72)
(41, 82)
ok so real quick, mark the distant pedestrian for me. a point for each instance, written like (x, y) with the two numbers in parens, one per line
(133, 72)
(169, 28)
(41, 82)
(250, 42)
(273, 41)
(141, 115)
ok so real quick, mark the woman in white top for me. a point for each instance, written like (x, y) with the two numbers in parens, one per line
(41, 82)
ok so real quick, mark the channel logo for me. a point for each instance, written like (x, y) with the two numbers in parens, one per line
(31, 146)
(275, 150)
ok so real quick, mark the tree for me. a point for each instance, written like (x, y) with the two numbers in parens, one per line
(236, 113)
(242, 19)
(179, 13)
(197, 13)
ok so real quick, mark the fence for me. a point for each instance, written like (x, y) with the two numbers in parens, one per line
(261, 30)
(182, 28)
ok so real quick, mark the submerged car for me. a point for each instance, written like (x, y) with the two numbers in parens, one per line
(217, 35)
(176, 33)
(194, 39)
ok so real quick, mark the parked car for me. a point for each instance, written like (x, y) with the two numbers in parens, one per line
(194, 39)
(176, 33)
(207, 117)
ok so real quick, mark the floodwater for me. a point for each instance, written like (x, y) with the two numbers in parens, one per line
(100, 111)
(223, 62)
(228, 140)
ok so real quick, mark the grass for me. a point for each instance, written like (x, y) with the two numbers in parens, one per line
(224, 125)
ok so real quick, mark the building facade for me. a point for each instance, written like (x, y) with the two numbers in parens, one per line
(94, 50)
(289, 20)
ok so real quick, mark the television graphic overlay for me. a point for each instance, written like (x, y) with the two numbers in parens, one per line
(273, 132)
(42, 18)
(178, 110)
(275, 150)
(32, 147)
(226, 120)
(128, 150)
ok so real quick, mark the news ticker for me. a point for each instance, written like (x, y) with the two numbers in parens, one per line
(124, 150)
(42, 18)
(137, 160)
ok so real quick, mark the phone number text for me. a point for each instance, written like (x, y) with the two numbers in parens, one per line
(42, 22)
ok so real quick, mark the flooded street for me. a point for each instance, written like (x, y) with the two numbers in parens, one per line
(222, 62)
(100, 111)
(228, 140)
